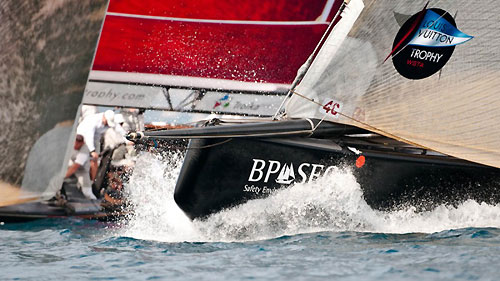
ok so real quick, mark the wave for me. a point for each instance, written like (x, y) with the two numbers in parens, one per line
(331, 203)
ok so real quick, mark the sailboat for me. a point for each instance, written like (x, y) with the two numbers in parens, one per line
(405, 94)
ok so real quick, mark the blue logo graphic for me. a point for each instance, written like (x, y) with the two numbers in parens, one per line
(436, 31)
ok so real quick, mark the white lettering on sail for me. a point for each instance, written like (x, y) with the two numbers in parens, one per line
(425, 55)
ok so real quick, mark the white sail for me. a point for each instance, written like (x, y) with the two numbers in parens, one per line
(432, 81)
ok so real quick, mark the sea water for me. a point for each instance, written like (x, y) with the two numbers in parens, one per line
(317, 231)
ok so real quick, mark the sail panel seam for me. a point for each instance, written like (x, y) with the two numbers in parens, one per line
(219, 21)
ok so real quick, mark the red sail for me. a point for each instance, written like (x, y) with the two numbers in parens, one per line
(262, 41)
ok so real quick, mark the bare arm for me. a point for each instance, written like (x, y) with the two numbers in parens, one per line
(72, 169)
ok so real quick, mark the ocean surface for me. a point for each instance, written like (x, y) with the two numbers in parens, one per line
(318, 231)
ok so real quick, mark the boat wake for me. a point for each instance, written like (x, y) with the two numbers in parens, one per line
(332, 203)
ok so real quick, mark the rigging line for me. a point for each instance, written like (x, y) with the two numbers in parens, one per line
(166, 93)
(210, 145)
(196, 94)
(312, 126)
(372, 128)
(319, 123)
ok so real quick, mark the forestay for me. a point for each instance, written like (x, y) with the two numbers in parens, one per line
(424, 73)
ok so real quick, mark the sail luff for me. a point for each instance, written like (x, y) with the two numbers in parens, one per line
(305, 67)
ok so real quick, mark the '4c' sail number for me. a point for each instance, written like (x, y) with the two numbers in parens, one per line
(331, 107)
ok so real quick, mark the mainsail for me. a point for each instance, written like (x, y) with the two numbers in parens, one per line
(151, 54)
(426, 73)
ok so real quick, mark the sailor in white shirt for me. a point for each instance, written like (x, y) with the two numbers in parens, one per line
(113, 138)
(92, 128)
(79, 167)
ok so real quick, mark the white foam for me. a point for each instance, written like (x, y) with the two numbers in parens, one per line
(332, 203)
(150, 191)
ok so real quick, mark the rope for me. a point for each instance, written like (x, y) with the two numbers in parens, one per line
(320, 121)
(312, 126)
(210, 145)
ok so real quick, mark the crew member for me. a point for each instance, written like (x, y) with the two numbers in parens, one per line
(92, 128)
(79, 167)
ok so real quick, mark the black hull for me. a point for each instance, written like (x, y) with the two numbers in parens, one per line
(221, 173)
